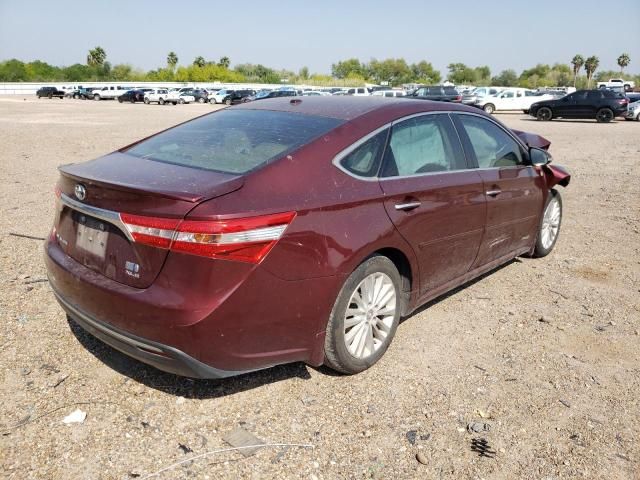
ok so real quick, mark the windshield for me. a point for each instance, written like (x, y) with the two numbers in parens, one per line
(234, 141)
(262, 94)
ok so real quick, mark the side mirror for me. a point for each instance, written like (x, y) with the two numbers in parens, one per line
(538, 157)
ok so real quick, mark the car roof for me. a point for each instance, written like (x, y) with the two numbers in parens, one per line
(349, 108)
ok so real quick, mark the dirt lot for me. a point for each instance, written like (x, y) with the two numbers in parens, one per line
(546, 352)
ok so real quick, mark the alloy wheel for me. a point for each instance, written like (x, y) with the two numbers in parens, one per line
(544, 114)
(369, 316)
(604, 115)
(550, 223)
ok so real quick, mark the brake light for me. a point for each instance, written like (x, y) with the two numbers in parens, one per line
(244, 239)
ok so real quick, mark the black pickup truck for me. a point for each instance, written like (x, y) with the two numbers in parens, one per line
(49, 92)
(438, 93)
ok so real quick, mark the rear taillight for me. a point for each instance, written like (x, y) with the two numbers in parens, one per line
(459, 98)
(244, 239)
(623, 101)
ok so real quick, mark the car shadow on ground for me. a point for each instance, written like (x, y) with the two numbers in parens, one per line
(182, 386)
(456, 290)
(574, 120)
(206, 389)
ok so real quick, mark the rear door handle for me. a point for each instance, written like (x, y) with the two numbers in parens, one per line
(407, 206)
(493, 193)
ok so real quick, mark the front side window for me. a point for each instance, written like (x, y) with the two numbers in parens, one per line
(364, 161)
(423, 144)
(493, 147)
(234, 141)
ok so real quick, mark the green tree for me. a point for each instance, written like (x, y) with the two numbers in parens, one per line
(459, 74)
(96, 57)
(623, 62)
(172, 60)
(224, 62)
(199, 61)
(13, 71)
(506, 78)
(424, 73)
(122, 72)
(590, 66)
(344, 68)
(304, 73)
(395, 71)
(577, 62)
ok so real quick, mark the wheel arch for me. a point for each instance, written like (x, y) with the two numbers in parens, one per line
(402, 263)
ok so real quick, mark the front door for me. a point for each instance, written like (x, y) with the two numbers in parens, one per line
(513, 190)
(433, 198)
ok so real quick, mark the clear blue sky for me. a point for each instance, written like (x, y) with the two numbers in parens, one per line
(291, 34)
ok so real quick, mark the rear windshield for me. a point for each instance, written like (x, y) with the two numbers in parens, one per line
(234, 141)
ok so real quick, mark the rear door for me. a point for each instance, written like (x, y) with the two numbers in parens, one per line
(435, 201)
(513, 190)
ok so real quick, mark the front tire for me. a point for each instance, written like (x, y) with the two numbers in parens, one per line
(227, 102)
(181, 101)
(213, 101)
(544, 114)
(550, 222)
(201, 100)
(365, 316)
(161, 101)
(489, 108)
(604, 115)
(147, 101)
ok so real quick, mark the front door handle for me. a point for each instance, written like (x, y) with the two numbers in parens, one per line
(494, 193)
(407, 206)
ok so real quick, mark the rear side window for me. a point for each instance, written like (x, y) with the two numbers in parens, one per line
(492, 146)
(595, 95)
(423, 144)
(234, 141)
(364, 161)
(450, 91)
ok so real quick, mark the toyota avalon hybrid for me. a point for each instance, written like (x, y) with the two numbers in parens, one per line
(293, 229)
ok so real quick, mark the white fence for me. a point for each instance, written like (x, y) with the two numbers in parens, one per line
(28, 88)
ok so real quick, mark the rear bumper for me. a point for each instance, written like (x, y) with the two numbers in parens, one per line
(230, 316)
(163, 357)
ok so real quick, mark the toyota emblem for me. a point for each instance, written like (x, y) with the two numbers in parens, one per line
(80, 192)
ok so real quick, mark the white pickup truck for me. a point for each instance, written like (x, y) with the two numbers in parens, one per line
(511, 99)
(109, 93)
(618, 82)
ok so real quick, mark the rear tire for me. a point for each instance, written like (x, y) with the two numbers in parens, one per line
(227, 102)
(146, 100)
(213, 101)
(181, 101)
(201, 100)
(96, 97)
(366, 311)
(544, 114)
(604, 115)
(550, 222)
(161, 101)
(489, 108)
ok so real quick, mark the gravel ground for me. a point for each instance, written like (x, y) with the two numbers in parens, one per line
(543, 351)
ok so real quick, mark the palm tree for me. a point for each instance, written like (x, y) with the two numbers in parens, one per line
(172, 60)
(590, 66)
(199, 61)
(96, 57)
(224, 62)
(577, 62)
(623, 61)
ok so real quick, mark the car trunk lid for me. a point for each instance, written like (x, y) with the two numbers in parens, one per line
(93, 195)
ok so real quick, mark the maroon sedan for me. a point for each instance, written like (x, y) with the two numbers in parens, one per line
(293, 230)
